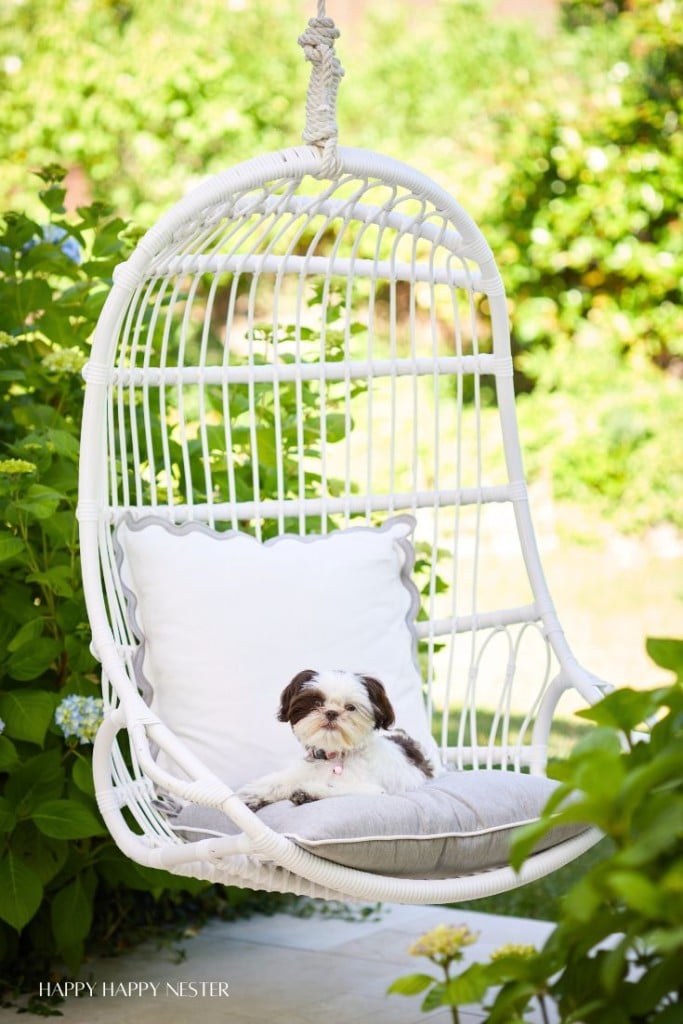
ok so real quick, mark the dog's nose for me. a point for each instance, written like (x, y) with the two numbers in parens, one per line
(331, 715)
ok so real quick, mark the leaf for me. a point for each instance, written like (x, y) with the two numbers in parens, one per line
(636, 891)
(27, 713)
(28, 634)
(614, 966)
(667, 653)
(9, 759)
(46, 857)
(57, 579)
(437, 996)
(71, 914)
(7, 816)
(335, 426)
(40, 778)
(83, 777)
(661, 834)
(664, 941)
(583, 901)
(623, 709)
(21, 891)
(267, 449)
(410, 984)
(10, 547)
(107, 240)
(65, 444)
(662, 979)
(31, 295)
(31, 662)
(65, 819)
(665, 769)
(51, 174)
(53, 198)
(40, 502)
(471, 986)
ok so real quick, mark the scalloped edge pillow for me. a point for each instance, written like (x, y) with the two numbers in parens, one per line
(225, 621)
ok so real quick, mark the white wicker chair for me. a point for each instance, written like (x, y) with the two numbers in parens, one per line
(215, 298)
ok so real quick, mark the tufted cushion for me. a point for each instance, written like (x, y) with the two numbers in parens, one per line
(224, 623)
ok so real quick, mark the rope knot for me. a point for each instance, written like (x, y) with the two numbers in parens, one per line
(321, 33)
(317, 43)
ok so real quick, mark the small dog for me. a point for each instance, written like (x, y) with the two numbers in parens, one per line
(339, 717)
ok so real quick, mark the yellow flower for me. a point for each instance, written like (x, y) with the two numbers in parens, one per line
(514, 949)
(15, 467)
(444, 943)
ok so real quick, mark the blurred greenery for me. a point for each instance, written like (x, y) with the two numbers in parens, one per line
(564, 143)
(614, 956)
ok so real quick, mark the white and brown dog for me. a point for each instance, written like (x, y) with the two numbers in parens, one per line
(341, 720)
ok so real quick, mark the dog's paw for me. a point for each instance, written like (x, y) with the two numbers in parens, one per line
(300, 796)
(256, 803)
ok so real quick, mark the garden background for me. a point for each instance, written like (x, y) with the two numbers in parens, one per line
(559, 132)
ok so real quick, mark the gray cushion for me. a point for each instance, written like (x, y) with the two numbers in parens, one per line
(457, 823)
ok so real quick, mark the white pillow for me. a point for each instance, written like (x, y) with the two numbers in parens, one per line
(225, 622)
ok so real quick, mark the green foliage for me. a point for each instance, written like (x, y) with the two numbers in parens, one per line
(608, 432)
(53, 278)
(58, 871)
(614, 957)
(591, 210)
(218, 86)
(569, 154)
(431, 90)
(588, 231)
(576, 13)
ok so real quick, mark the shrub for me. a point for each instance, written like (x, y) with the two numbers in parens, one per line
(589, 236)
(58, 871)
(219, 85)
(589, 215)
(63, 883)
(568, 152)
(615, 955)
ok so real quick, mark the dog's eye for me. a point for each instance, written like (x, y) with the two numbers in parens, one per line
(350, 707)
(318, 703)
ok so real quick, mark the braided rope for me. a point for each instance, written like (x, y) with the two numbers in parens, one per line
(317, 43)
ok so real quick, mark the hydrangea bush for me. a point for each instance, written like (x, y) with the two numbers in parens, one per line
(58, 870)
(56, 863)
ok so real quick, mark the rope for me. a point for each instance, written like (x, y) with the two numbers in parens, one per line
(317, 43)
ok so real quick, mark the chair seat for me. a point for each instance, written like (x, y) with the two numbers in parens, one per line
(455, 824)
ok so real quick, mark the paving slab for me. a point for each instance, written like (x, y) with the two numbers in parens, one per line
(286, 969)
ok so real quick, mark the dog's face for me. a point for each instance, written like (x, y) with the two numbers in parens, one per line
(335, 711)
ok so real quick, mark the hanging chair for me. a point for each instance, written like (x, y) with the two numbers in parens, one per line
(300, 449)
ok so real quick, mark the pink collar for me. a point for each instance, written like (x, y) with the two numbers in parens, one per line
(318, 754)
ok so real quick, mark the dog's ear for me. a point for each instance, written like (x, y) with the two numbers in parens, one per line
(291, 691)
(381, 705)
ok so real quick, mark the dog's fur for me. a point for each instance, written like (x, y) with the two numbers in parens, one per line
(341, 719)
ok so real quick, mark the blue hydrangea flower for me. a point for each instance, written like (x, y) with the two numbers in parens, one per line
(80, 717)
(55, 235)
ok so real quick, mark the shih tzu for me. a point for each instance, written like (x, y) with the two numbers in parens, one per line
(341, 720)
